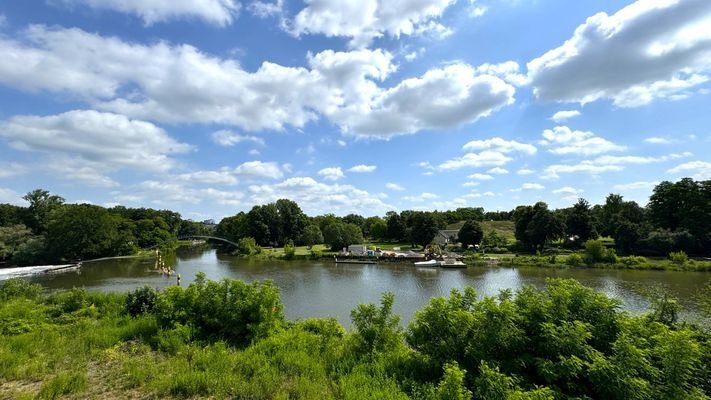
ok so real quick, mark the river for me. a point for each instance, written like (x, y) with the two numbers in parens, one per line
(323, 288)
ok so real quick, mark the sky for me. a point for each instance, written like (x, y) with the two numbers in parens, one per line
(208, 107)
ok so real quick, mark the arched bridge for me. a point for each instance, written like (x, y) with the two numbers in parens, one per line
(188, 237)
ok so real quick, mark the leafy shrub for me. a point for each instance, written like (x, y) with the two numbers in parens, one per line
(452, 387)
(289, 250)
(19, 288)
(229, 310)
(377, 328)
(141, 301)
(328, 327)
(596, 252)
(574, 259)
(634, 262)
(678, 257)
(72, 300)
(248, 246)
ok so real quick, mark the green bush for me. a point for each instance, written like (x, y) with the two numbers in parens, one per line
(563, 341)
(678, 258)
(377, 328)
(248, 246)
(71, 300)
(141, 301)
(596, 252)
(634, 262)
(229, 310)
(19, 288)
(574, 259)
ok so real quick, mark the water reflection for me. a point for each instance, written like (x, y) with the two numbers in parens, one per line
(323, 288)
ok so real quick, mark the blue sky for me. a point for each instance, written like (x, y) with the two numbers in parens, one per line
(208, 107)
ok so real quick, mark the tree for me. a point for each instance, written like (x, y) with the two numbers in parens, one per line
(263, 224)
(470, 234)
(80, 232)
(684, 205)
(579, 222)
(396, 227)
(627, 235)
(13, 215)
(339, 235)
(11, 238)
(536, 225)
(424, 229)
(356, 220)
(291, 219)
(152, 232)
(42, 203)
(311, 235)
(378, 229)
(233, 228)
(492, 239)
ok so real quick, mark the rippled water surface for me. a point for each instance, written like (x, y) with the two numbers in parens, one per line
(323, 288)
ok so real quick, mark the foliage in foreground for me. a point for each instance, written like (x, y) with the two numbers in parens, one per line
(229, 339)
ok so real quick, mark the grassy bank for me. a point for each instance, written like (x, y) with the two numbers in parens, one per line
(230, 340)
(577, 260)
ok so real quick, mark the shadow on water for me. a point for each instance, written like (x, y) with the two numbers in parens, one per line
(324, 288)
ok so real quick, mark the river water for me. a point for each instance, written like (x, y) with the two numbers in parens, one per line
(323, 288)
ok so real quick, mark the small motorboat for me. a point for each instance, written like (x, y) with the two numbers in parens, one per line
(428, 263)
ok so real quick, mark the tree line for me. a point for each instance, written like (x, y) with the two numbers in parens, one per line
(677, 218)
(50, 231)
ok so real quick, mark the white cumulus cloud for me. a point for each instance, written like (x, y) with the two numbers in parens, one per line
(500, 145)
(332, 173)
(225, 137)
(649, 49)
(394, 186)
(365, 20)
(564, 115)
(564, 140)
(111, 140)
(216, 12)
(362, 168)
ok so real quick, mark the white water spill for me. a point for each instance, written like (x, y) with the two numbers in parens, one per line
(9, 273)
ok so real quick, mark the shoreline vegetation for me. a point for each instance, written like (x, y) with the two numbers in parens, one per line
(471, 259)
(229, 339)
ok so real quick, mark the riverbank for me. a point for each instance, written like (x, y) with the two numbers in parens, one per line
(572, 260)
(575, 261)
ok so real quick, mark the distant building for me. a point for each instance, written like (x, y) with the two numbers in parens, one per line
(446, 236)
(209, 224)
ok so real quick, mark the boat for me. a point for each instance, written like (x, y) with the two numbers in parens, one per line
(428, 263)
(452, 263)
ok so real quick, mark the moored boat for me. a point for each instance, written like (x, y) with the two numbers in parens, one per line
(428, 263)
(452, 263)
